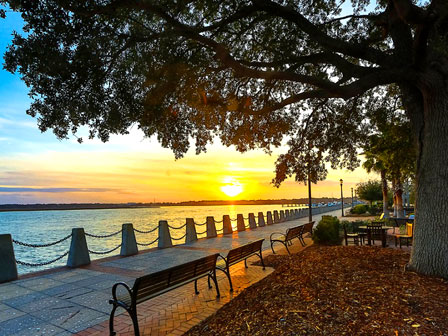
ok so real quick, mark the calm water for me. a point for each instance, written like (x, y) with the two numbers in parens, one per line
(41, 227)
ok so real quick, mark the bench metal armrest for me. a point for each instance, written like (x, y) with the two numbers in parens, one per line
(278, 233)
(114, 290)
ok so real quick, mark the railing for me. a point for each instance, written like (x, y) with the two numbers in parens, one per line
(79, 253)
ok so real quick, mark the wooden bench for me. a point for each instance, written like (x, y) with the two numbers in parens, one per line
(239, 254)
(291, 233)
(308, 229)
(152, 285)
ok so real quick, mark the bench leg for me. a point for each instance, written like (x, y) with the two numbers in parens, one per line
(213, 276)
(111, 321)
(227, 273)
(245, 263)
(196, 287)
(135, 323)
(302, 241)
(287, 249)
(272, 247)
(261, 258)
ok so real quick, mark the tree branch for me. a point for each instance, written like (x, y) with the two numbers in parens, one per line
(351, 49)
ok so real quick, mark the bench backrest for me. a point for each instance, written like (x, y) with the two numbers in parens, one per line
(308, 227)
(147, 286)
(294, 232)
(241, 252)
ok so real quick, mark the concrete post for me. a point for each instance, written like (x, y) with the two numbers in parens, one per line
(191, 231)
(128, 241)
(282, 216)
(276, 217)
(261, 221)
(164, 235)
(79, 252)
(226, 224)
(240, 222)
(8, 265)
(287, 215)
(252, 222)
(211, 227)
(269, 220)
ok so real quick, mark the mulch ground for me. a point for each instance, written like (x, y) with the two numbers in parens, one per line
(336, 290)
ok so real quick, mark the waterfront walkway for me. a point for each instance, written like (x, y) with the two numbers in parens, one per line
(75, 301)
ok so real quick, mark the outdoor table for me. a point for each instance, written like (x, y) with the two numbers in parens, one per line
(384, 228)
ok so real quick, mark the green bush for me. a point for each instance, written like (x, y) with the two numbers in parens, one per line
(359, 209)
(327, 231)
(374, 210)
(353, 227)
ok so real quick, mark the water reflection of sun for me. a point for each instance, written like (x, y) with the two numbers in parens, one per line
(231, 186)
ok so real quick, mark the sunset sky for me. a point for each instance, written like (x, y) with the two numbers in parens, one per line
(37, 168)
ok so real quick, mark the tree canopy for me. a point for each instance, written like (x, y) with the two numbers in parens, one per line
(252, 72)
(369, 191)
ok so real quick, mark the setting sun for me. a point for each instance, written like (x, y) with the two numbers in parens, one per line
(232, 187)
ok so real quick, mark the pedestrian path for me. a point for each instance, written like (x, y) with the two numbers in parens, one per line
(75, 301)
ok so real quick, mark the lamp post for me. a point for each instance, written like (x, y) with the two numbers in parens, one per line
(352, 197)
(310, 210)
(342, 198)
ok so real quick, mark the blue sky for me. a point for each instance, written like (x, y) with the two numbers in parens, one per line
(36, 167)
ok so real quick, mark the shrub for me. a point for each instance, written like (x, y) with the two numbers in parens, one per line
(359, 209)
(374, 210)
(327, 231)
(352, 226)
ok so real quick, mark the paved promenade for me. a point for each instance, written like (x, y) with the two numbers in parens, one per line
(75, 301)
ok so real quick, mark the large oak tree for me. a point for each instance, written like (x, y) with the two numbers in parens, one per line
(250, 72)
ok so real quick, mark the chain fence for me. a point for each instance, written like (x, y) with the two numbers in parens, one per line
(177, 228)
(23, 263)
(149, 231)
(147, 244)
(41, 245)
(105, 252)
(180, 238)
(103, 236)
(201, 233)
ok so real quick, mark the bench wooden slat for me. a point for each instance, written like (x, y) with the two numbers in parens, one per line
(239, 254)
(291, 233)
(152, 285)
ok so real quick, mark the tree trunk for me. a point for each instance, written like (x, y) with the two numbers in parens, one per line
(385, 196)
(430, 245)
(399, 199)
(394, 198)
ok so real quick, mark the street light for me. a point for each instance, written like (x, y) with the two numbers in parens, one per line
(310, 210)
(352, 197)
(342, 199)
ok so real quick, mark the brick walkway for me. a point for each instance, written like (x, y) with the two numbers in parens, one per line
(75, 301)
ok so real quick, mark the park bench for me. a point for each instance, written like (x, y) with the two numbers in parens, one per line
(291, 233)
(308, 229)
(239, 254)
(155, 284)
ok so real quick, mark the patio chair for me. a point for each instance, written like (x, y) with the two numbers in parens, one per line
(399, 238)
(355, 237)
(375, 232)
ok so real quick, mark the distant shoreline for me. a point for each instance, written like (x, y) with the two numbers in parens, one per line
(109, 206)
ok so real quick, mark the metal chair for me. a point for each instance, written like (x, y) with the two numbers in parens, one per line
(375, 232)
(406, 237)
(355, 237)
